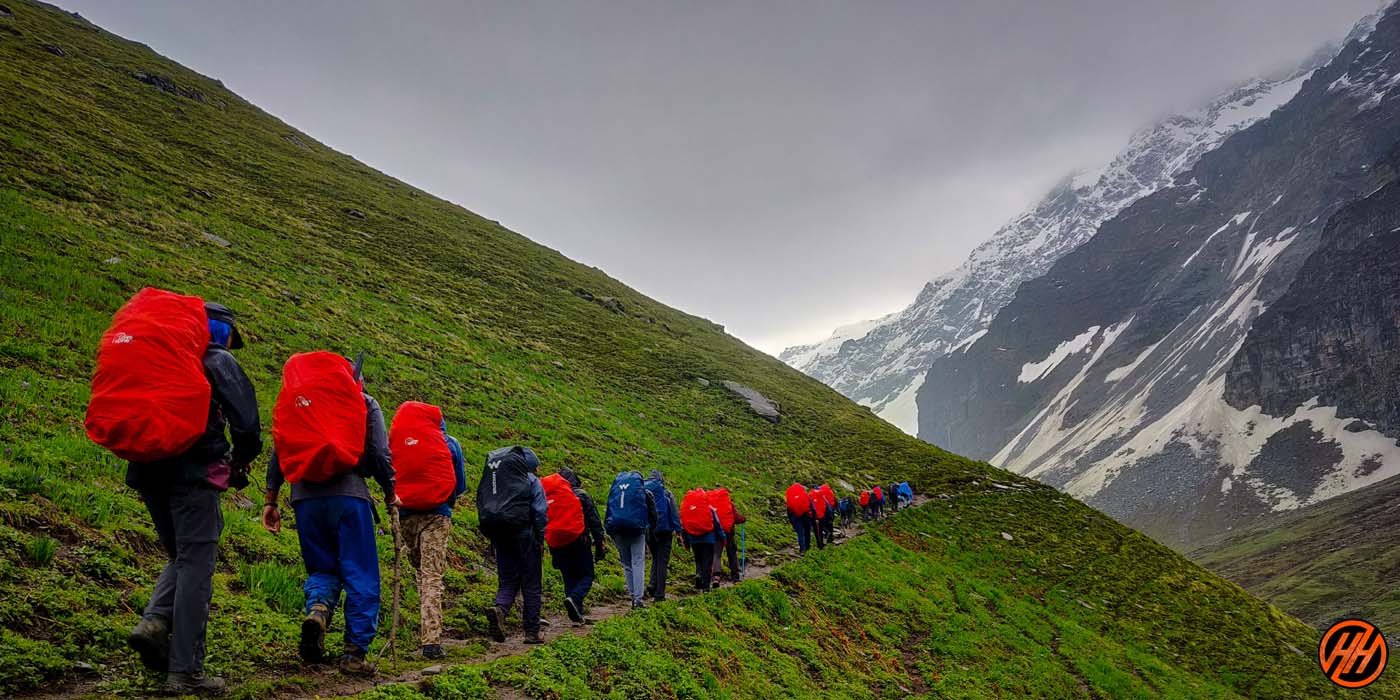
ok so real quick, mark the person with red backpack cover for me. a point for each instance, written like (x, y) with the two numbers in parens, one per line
(164, 391)
(575, 537)
(819, 513)
(328, 436)
(429, 476)
(799, 512)
(701, 531)
(729, 517)
(877, 502)
(867, 505)
(828, 524)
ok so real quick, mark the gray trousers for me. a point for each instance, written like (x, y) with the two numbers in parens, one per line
(632, 550)
(188, 522)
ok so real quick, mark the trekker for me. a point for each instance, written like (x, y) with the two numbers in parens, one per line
(328, 437)
(701, 531)
(512, 513)
(828, 524)
(818, 515)
(629, 520)
(847, 508)
(164, 406)
(892, 492)
(877, 502)
(575, 538)
(906, 494)
(867, 505)
(799, 512)
(430, 475)
(728, 517)
(668, 527)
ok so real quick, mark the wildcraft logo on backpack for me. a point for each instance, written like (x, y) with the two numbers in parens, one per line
(565, 522)
(150, 398)
(797, 502)
(627, 505)
(696, 513)
(503, 495)
(423, 473)
(663, 505)
(318, 422)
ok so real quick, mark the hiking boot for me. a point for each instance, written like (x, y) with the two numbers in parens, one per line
(637, 604)
(313, 634)
(192, 684)
(534, 637)
(150, 639)
(575, 615)
(496, 622)
(352, 663)
(433, 651)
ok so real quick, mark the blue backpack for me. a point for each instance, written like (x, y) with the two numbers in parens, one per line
(667, 521)
(627, 505)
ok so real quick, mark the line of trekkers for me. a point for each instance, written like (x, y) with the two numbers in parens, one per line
(165, 390)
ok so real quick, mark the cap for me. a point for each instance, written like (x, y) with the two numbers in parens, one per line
(219, 312)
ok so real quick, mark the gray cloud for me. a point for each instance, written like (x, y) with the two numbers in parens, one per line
(779, 167)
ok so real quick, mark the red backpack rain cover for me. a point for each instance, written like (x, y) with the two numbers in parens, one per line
(696, 519)
(818, 503)
(797, 502)
(564, 523)
(828, 494)
(422, 460)
(879, 494)
(720, 501)
(864, 498)
(318, 422)
(150, 398)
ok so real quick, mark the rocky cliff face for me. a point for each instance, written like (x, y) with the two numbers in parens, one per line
(881, 363)
(1107, 375)
(1334, 337)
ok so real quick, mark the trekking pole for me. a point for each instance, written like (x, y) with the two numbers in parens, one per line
(393, 645)
(743, 561)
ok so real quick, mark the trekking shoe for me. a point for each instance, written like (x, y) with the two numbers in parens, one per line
(534, 637)
(637, 604)
(496, 622)
(352, 663)
(433, 651)
(313, 634)
(571, 608)
(191, 684)
(150, 639)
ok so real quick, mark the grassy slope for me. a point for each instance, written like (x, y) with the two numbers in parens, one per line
(938, 604)
(108, 184)
(1335, 559)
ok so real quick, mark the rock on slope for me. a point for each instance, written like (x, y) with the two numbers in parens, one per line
(881, 363)
(1108, 375)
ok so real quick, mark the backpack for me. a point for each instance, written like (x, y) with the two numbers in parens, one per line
(878, 495)
(664, 516)
(724, 506)
(906, 491)
(423, 471)
(864, 498)
(627, 516)
(565, 522)
(696, 513)
(503, 496)
(797, 502)
(150, 397)
(819, 505)
(318, 422)
(828, 494)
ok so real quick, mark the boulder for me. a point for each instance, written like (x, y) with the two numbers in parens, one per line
(758, 403)
(216, 240)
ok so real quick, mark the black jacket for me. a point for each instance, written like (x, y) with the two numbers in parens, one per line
(232, 404)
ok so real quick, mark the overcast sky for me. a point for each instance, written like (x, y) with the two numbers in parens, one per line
(778, 167)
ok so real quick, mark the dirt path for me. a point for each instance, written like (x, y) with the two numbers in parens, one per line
(325, 681)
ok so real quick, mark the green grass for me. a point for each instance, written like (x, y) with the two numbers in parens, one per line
(107, 184)
(937, 604)
(1296, 559)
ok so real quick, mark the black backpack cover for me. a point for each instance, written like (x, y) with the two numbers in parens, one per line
(503, 495)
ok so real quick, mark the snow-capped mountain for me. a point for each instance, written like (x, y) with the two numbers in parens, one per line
(1191, 366)
(881, 363)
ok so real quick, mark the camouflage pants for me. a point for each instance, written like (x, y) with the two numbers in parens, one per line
(425, 534)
